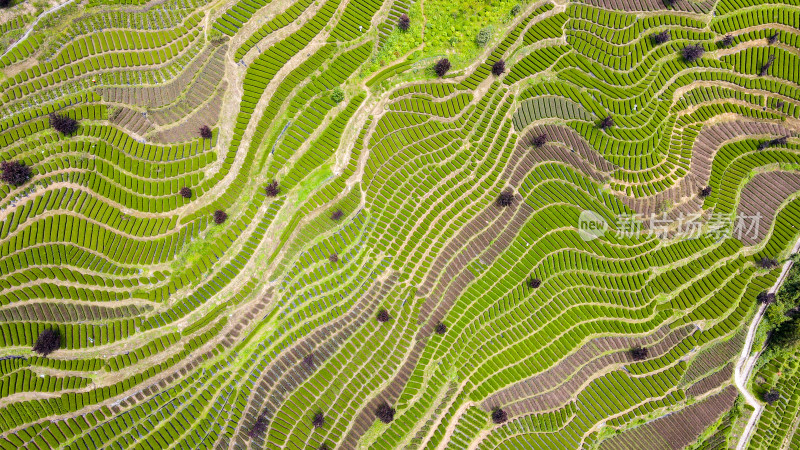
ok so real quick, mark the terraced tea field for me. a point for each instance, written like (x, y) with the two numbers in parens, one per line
(320, 224)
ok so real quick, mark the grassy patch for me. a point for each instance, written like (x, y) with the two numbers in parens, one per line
(313, 181)
(453, 27)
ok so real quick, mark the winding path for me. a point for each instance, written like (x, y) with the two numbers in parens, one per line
(33, 25)
(744, 367)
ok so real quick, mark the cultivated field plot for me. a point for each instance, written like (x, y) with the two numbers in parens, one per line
(319, 224)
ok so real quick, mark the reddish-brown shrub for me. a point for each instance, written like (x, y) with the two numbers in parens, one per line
(771, 396)
(767, 65)
(773, 38)
(15, 173)
(259, 427)
(404, 23)
(273, 189)
(383, 316)
(318, 420)
(499, 416)
(47, 342)
(766, 298)
(539, 140)
(220, 217)
(498, 68)
(63, 124)
(660, 38)
(639, 353)
(533, 283)
(767, 263)
(384, 413)
(441, 67)
(506, 198)
(692, 53)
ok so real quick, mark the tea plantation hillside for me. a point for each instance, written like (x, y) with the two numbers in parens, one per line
(400, 224)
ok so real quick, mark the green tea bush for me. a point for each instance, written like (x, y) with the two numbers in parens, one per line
(483, 37)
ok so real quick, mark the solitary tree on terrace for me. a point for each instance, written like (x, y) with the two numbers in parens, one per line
(384, 412)
(539, 140)
(404, 23)
(273, 189)
(47, 342)
(660, 38)
(779, 141)
(771, 396)
(533, 283)
(334, 257)
(692, 53)
(337, 215)
(323, 446)
(185, 192)
(506, 198)
(726, 41)
(606, 123)
(705, 192)
(337, 95)
(308, 360)
(318, 420)
(499, 67)
(499, 415)
(773, 38)
(63, 124)
(773, 142)
(767, 65)
(258, 428)
(15, 173)
(669, 3)
(205, 132)
(766, 298)
(639, 353)
(383, 316)
(220, 217)
(440, 328)
(767, 263)
(441, 67)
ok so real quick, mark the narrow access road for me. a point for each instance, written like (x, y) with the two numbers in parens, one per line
(744, 367)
